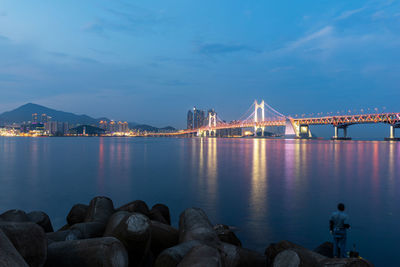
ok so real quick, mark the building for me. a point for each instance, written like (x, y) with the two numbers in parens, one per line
(44, 118)
(57, 128)
(189, 120)
(198, 118)
(34, 118)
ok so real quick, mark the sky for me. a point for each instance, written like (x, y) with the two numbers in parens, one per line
(150, 61)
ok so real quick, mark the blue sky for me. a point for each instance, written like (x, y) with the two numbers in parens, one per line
(150, 61)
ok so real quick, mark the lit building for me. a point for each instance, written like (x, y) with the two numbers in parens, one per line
(44, 118)
(34, 118)
(198, 118)
(190, 120)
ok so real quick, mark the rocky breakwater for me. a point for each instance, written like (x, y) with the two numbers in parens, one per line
(99, 234)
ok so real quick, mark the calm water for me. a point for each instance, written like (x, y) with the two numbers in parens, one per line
(270, 189)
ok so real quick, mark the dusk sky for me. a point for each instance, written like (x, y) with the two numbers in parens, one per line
(151, 61)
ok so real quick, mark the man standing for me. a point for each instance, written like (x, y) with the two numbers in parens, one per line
(338, 225)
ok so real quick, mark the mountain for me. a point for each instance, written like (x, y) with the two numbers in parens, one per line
(24, 113)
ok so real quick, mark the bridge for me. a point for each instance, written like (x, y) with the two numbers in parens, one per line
(261, 115)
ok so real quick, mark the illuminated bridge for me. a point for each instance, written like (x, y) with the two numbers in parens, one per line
(261, 115)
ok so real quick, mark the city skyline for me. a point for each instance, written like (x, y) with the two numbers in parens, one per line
(135, 61)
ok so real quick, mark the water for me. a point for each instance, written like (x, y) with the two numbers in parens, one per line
(269, 189)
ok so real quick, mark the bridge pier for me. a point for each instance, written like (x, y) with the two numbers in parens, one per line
(392, 136)
(304, 132)
(344, 137)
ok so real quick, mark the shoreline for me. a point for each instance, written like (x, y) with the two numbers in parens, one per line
(98, 234)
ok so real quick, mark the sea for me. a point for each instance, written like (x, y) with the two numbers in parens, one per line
(268, 190)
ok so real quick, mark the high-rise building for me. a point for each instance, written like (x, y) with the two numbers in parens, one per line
(44, 118)
(198, 118)
(34, 118)
(190, 120)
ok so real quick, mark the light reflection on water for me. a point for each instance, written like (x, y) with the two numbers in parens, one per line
(269, 189)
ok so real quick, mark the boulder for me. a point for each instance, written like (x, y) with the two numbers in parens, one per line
(104, 251)
(194, 225)
(163, 236)
(164, 210)
(200, 256)
(29, 239)
(14, 216)
(42, 219)
(138, 206)
(100, 210)
(225, 234)
(77, 214)
(134, 231)
(325, 249)
(171, 257)
(9, 256)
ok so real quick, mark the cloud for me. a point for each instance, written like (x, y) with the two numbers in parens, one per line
(217, 48)
(348, 13)
(324, 32)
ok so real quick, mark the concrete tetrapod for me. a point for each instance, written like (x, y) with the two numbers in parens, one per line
(14, 216)
(163, 236)
(138, 206)
(135, 234)
(77, 214)
(200, 256)
(114, 220)
(194, 225)
(100, 210)
(28, 239)
(9, 256)
(104, 251)
(42, 219)
(163, 209)
(171, 257)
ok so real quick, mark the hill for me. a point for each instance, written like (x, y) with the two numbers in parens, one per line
(24, 114)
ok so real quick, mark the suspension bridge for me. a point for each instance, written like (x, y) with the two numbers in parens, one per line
(260, 116)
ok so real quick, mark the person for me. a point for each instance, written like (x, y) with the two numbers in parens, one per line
(338, 224)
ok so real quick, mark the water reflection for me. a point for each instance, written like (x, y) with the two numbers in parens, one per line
(258, 190)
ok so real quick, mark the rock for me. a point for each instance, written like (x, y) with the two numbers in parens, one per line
(163, 236)
(100, 210)
(226, 235)
(29, 239)
(164, 210)
(275, 248)
(77, 214)
(155, 215)
(114, 220)
(9, 256)
(194, 225)
(104, 251)
(14, 216)
(348, 262)
(42, 219)
(233, 256)
(85, 230)
(202, 256)
(171, 257)
(325, 249)
(297, 257)
(135, 234)
(137, 206)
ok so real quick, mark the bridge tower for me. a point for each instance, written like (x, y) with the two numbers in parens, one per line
(212, 120)
(256, 119)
